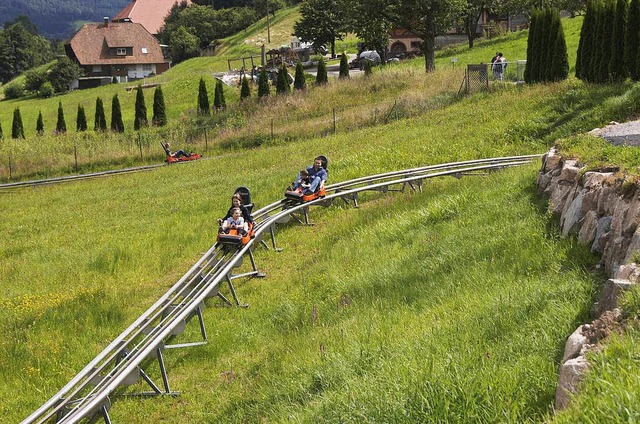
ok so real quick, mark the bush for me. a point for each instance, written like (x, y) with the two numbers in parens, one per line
(13, 91)
(46, 90)
(34, 79)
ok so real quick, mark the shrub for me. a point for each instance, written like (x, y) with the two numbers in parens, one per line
(61, 125)
(245, 90)
(283, 86)
(321, 77)
(13, 91)
(116, 115)
(344, 66)
(140, 120)
(99, 119)
(81, 119)
(17, 129)
(300, 81)
(33, 80)
(40, 124)
(46, 90)
(263, 84)
(203, 99)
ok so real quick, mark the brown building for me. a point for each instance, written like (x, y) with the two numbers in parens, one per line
(124, 50)
(149, 13)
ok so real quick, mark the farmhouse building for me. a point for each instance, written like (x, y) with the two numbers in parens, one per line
(149, 13)
(124, 50)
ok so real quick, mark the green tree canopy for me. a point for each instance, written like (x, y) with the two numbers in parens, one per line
(63, 73)
(21, 50)
(321, 22)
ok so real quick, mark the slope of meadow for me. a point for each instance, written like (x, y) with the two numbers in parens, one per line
(451, 305)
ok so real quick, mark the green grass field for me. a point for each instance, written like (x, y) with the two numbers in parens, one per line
(452, 305)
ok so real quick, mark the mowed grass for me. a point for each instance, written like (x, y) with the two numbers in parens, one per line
(447, 306)
(84, 259)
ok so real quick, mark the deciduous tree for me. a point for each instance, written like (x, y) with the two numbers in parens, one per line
(321, 22)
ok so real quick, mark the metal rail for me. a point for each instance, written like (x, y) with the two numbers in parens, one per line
(121, 362)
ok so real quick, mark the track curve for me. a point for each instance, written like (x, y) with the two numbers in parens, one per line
(121, 363)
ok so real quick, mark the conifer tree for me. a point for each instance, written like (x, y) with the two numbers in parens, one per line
(585, 45)
(39, 124)
(321, 77)
(559, 69)
(116, 115)
(61, 125)
(368, 69)
(283, 86)
(159, 118)
(607, 41)
(140, 120)
(203, 99)
(245, 90)
(344, 66)
(617, 67)
(263, 84)
(17, 129)
(300, 81)
(632, 41)
(596, 47)
(540, 52)
(99, 119)
(533, 28)
(81, 119)
(218, 98)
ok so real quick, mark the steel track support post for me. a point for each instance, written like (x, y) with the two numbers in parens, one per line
(255, 268)
(306, 215)
(233, 293)
(163, 371)
(105, 415)
(273, 239)
(203, 330)
(150, 382)
(224, 298)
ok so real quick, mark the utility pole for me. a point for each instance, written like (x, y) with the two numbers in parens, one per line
(268, 28)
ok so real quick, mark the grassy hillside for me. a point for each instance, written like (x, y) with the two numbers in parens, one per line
(448, 306)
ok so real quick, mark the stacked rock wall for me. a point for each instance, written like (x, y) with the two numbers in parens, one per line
(604, 214)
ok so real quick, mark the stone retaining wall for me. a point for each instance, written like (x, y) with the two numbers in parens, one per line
(604, 213)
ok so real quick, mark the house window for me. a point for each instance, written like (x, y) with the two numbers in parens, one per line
(144, 50)
(147, 67)
(96, 68)
(121, 51)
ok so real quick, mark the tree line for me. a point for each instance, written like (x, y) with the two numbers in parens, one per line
(159, 117)
(608, 50)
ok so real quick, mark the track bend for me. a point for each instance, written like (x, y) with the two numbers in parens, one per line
(87, 395)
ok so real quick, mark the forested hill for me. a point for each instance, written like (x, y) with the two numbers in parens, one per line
(59, 18)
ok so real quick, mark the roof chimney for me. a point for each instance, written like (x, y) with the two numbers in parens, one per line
(106, 21)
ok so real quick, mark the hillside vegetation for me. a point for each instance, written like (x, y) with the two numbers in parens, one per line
(451, 305)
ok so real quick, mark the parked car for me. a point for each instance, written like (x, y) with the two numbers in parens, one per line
(369, 56)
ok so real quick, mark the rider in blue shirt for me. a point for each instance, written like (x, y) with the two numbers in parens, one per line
(317, 176)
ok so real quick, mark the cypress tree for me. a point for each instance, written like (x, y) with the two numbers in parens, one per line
(585, 45)
(39, 124)
(596, 48)
(218, 99)
(550, 40)
(17, 129)
(99, 119)
(300, 81)
(61, 125)
(533, 28)
(283, 86)
(560, 58)
(116, 115)
(245, 90)
(344, 66)
(81, 119)
(263, 84)
(159, 114)
(203, 99)
(632, 40)
(617, 68)
(140, 120)
(607, 41)
(321, 77)
(368, 68)
(541, 52)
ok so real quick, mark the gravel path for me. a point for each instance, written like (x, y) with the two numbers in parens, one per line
(627, 133)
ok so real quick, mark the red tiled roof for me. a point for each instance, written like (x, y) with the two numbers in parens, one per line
(149, 13)
(92, 42)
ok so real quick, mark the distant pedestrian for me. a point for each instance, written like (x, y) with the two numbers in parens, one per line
(498, 66)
